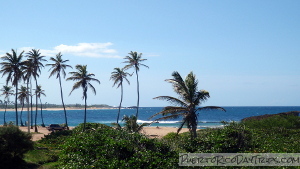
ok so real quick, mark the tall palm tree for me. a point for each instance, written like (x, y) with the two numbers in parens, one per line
(57, 68)
(28, 71)
(22, 96)
(83, 79)
(35, 57)
(38, 92)
(186, 106)
(134, 60)
(12, 67)
(118, 76)
(6, 91)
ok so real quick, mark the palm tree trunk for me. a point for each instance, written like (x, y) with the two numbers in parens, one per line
(62, 100)
(16, 104)
(22, 113)
(4, 114)
(138, 94)
(36, 107)
(28, 114)
(120, 103)
(43, 124)
(84, 121)
(31, 112)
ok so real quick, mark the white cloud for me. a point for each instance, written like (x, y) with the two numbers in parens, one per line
(81, 49)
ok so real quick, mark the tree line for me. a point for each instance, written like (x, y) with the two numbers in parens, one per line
(26, 68)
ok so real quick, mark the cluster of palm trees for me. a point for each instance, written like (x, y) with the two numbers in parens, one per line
(17, 70)
(119, 75)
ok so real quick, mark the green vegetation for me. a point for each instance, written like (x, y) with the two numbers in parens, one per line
(13, 145)
(102, 146)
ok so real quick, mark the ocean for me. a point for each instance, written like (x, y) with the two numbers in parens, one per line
(207, 118)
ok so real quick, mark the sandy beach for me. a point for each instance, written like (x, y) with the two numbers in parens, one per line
(152, 132)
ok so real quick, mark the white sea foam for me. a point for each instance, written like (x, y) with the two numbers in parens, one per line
(143, 121)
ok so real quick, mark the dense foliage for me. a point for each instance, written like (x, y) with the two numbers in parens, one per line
(101, 146)
(104, 147)
(13, 144)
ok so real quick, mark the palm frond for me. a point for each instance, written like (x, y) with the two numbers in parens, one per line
(172, 100)
(170, 110)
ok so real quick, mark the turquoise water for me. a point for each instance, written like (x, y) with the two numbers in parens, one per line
(207, 118)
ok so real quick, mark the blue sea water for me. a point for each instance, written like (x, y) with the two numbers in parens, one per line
(207, 118)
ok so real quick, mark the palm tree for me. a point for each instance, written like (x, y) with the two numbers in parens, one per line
(118, 76)
(134, 60)
(6, 91)
(38, 92)
(186, 106)
(12, 67)
(28, 71)
(131, 124)
(22, 95)
(83, 79)
(35, 57)
(57, 68)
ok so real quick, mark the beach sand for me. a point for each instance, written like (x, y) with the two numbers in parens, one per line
(151, 132)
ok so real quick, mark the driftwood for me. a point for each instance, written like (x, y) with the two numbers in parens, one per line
(291, 113)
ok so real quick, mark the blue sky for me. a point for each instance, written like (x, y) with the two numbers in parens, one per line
(245, 53)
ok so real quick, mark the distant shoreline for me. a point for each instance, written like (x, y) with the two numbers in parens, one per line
(67, 108)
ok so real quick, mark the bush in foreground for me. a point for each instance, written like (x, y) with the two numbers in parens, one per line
(13, 144)
(105, 147)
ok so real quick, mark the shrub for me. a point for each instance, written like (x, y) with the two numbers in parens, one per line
(13, 144)
(105, 147)
(287, 122)
(230, 139)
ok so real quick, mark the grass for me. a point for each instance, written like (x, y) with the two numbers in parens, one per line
(41, 158)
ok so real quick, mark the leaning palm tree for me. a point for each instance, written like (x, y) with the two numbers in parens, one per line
(83, 79)
(35, 57)
(12, 67)
(118, 76)
(38, 92)
(186, 106)
(57, 68)
(22, 96)
(134, 60)
(6, 91)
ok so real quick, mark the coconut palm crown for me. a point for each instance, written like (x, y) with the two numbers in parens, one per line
(186, 105)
